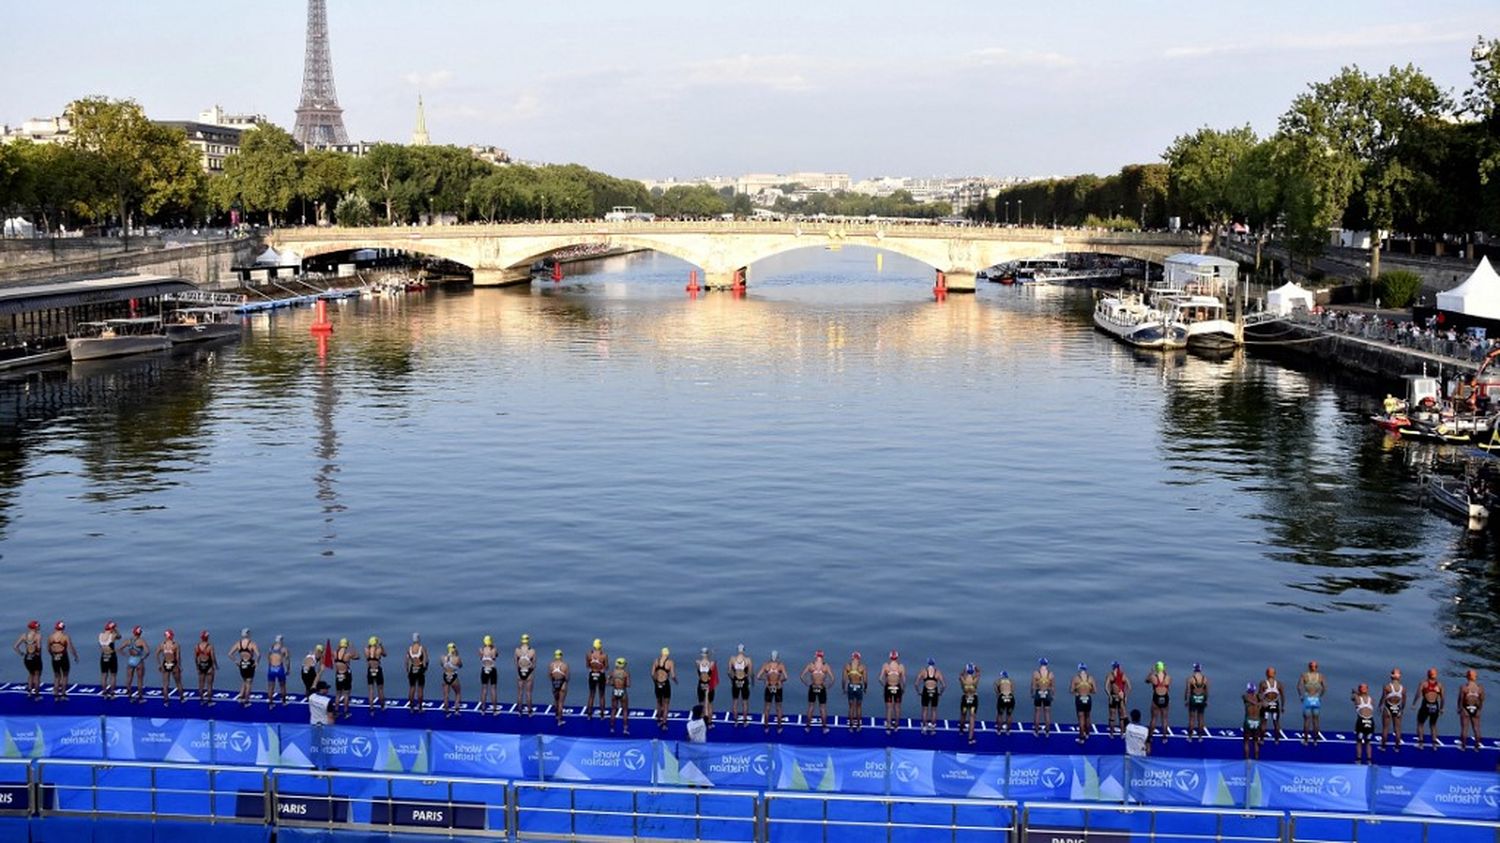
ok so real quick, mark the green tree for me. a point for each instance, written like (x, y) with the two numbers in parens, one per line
(691, 201)
(264, 176)
(1255, 191)
(380, 174)
(1201, 166)
(136, 165)
(325, 178)
(353, 210)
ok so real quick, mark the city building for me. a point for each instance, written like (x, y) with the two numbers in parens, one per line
(37, 130)
(489, 154)
(213, 142)
(419, 136)
(217, 116)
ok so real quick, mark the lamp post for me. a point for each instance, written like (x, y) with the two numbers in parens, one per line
(1143, 216)
(1019, 219)
(1007, 212)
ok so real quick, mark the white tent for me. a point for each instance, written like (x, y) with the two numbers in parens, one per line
(19, 227)
(1479, 295)
(1287, 298)
(289, 259)
(268, 258)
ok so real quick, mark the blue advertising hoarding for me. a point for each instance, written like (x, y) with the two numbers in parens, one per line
(597, 760)
(1452, 794)
(479, 754)
(825, 770)
(1286, 786)
(734, 765)
(1187, 781)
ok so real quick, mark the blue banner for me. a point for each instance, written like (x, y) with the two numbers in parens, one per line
(245, 744)
(830, 770)
(374, 750)
(1317, 787)
(294, 745)
(158, 739)
(1452, 794)
(597, 760)
(51, 737)
(1066, 778)
(968, 775)
(912, 772)
(741, 765)
(1187, 781)
(478, 754)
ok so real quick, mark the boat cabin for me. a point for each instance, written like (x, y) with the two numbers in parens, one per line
(131, 327)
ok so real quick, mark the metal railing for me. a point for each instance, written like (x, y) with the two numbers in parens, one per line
(602, 812)
(1142, 823)
(1347, 828)
(387, 802)
(17, 788)
(874, 816)
(96, 789)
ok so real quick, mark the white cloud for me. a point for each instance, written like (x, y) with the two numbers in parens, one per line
(430, 80)
(1385, 35)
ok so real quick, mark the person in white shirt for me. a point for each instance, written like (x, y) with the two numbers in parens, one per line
(1137, 738)
(318, 702)
(697, 727)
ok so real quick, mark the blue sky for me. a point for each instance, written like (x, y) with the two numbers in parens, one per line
(653, 89)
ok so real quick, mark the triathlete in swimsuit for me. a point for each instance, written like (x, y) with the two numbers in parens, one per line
(489, 677)
(312, 669)
(169, 662)
(60, 647)
(817, 676)
(663, 676)
(597, 664)
(1430, 701)
(968, 700)
(1364, 725)
(557, 671)
(416, 673)
(1161, 700)
(619, 695)
(774, 674)
(1310, 687)
(1005, 704)
(277, 659)
(343, 675)
(29, 648)
(525, 668)
(893, 679)
(452, 686)
(109, 659)
(1196, 696)
(708, 684)
(741, 675)
(1470, 707)
(1118, 686)
(1251, 727)
(1083, 689)
(1270, 704)
(1392, 708)
(136, 653)
(246, 655)
(1043, 686)
(206, 660)
(375, 672)
(930, 686)
(856, 679)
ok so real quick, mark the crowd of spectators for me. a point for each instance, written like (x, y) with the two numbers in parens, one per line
(1430, 335)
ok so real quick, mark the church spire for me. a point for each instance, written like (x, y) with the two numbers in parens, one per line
(420, 137)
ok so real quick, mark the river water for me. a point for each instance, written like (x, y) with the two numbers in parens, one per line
(834, 462)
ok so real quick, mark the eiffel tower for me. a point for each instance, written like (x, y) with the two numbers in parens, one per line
(320, 121)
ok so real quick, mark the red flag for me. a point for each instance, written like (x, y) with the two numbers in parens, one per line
(328, 652)
(713, 676)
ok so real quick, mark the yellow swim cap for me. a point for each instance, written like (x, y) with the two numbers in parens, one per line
(598, 644)
(557, 654)
(525, 637)
(620, 661)
(343, 642)
(666, 652)
(488, 641)
(452, 646)
(374, 640)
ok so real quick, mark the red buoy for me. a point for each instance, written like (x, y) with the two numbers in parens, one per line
(941, 290)
(556, 271)
(692, 285)
(322, 325)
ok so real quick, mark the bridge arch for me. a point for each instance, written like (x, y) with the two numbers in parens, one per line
(435, 249)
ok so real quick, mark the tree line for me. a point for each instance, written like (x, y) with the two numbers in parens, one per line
(1378, 152)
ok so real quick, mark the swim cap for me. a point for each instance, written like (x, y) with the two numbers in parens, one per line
(170, 634)
(203, 636)
(739, 648)
(110, 625)
(855, 655)
(702, 651)
(136, 631)
(895, 655)
(969, 668)
(318, 648)
(34, 625)
(1004, 674)
(343, 642)
(1161, 667)
(774, 654)
(931, 662)
(1082, 668)
(620, 661)
(1114, 664)
(557, 654)
(818, 654)
(452, 646)
(415, 637)
(598, 644)
(1042, 662)
(666, 652)
(488, 641)
(61, 625)
(278, 638)
(525, 637)
(374, 640)
(1249, 686)
(245, 632)
(1197, 668)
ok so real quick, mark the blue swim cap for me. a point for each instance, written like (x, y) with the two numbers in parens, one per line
(1042, 661)
(1249, 686)
(969, 668)
(931, 662)
(1082, 667)
(1004, 674)
(1197, 667)
(1114, 664)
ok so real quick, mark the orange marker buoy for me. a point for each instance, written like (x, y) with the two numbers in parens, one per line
(941, 290)
(322, 325)
(692, 285)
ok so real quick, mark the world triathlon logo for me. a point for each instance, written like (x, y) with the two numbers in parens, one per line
(761, 765)
(1054, 777)
(239, 740)
(495, 754)
(361, 747)
(1338, 786)
(111, 734)
(907, 772)
(1492, 796)
(634, 759)
(1186, 781)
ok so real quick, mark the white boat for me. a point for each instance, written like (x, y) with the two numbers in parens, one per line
(1204, 317)
(117, 338)
(196, 324)
(1129, 319)
(16, 353)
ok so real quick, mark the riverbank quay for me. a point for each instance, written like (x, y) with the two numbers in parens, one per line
(80, 775)
(1369, 347)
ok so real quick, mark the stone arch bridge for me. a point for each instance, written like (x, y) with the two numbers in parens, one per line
(502, 254)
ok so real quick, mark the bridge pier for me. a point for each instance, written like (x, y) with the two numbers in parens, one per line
(959, 281)
(509, 277)
(718, 280)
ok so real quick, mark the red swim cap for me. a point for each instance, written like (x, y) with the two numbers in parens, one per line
(136, 631)
(110, 625)
(203, 635)
(61, 626)
(34, 625)
(170, 634)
